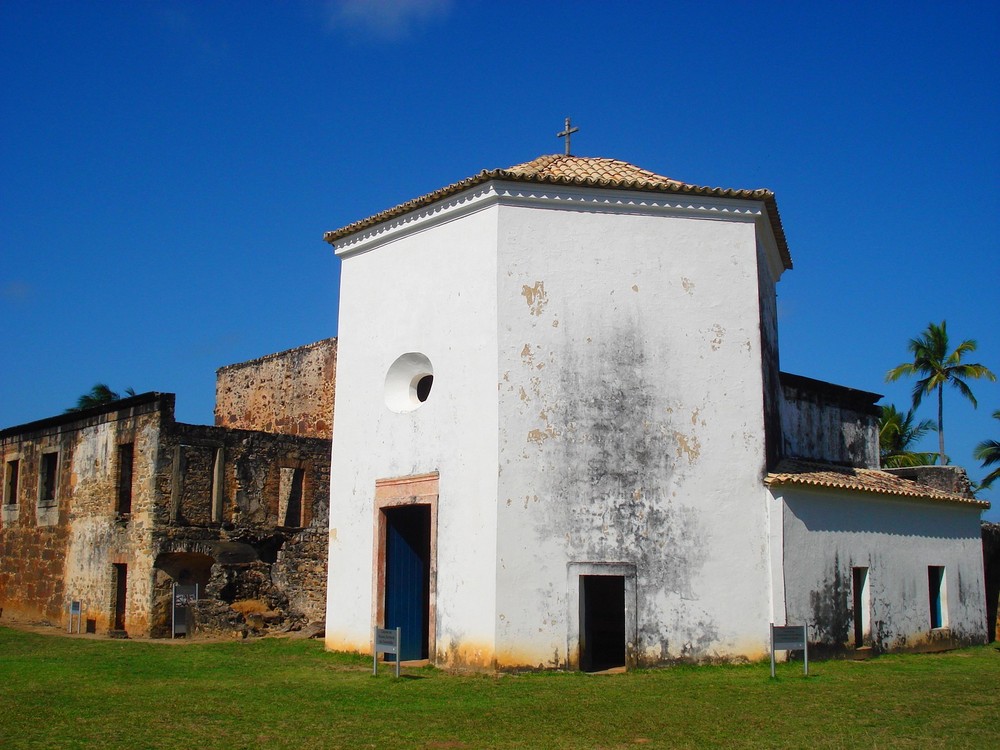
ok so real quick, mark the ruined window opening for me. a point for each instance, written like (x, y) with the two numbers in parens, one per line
(862, 607)
(216, 485)
(11, 475)
(424, 387)
(290, 484)
(48, 477)
(602, 622)
(120, 584)
(126, 457)
(937, 595)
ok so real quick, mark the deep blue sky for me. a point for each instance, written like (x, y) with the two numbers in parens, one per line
(167, 169)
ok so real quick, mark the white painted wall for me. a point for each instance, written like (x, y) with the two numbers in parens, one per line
(430, 290)
(622, 331)
(827, 532)
(631, 427)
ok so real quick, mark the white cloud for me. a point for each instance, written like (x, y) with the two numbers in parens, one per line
(384, 19)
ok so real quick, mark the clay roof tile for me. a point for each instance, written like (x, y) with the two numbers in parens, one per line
(828, 476)
(584, 171)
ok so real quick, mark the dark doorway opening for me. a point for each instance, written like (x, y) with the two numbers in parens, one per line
(602, 622)
(935, 582)
(407, 576)
(121, 590)
(862, 607)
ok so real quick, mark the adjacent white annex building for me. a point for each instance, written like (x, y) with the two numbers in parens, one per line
(562, 439)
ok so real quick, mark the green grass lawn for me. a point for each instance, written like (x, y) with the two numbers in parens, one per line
(61, 692)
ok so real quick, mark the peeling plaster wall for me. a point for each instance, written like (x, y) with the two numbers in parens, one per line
(826, 533)
(431, 291)
(631, 430)
(49, 562)
(52, 556)
(819, 426)
(290, 392)
(98, 538)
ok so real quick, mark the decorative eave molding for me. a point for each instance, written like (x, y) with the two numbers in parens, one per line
(447, 209)
(559, 197)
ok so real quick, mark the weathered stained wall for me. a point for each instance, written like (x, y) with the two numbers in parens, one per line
(631, 429)
(625, 342)
(827, 533)
(248, 515)
(826, 422)
(181, 526)
(52, 559)
(290, 392)
(948, 478)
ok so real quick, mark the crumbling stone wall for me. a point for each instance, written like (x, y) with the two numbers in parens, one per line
(205, 508)
(945, 478)
(257, 582)
(290, 392)
(50, 556)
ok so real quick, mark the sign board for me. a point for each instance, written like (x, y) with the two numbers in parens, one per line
(790, 638)
(387, 641)
(184, 596)
(75, 610)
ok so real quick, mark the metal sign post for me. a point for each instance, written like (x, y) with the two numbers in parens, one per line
(184, 595)
(387, 641)
(75, 610)
(790, 638)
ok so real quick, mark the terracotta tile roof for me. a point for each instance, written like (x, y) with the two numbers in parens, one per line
(590, 171)
(557, 169)
(807, 473)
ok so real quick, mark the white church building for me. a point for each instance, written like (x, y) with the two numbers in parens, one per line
(562, 440)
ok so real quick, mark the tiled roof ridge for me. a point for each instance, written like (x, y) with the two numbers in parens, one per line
(814, 474)
(551, 166)
(541, 170)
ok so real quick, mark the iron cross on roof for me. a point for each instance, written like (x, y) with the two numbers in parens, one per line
(567, 132)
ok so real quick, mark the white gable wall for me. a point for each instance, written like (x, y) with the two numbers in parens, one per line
(631, 427)
(432, 292)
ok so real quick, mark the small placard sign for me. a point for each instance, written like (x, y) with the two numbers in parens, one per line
(185, 596)
(75, 612)
(387, 641)
(790, 638)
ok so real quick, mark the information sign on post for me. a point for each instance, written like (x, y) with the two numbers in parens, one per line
(75, 611)
(790, 638)
(184, 596)
(387, 641)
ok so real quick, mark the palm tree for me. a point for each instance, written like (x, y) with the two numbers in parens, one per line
(896, 438)
(988, 452)
(935, 366)
(98, 395)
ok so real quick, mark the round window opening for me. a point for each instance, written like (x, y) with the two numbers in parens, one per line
(424, 387)
(408, 382)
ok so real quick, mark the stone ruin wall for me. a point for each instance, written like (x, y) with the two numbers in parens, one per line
(262, 576)
(947, 478)
(291, 392)
(66, 553)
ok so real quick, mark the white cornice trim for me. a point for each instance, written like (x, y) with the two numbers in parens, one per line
(557, 197)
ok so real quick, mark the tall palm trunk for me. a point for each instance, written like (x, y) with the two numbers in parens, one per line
(944, 460)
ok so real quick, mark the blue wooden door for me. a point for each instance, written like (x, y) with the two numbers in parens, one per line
(407, 576)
